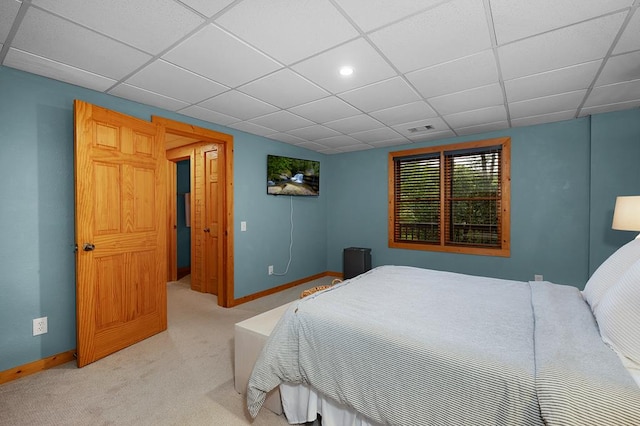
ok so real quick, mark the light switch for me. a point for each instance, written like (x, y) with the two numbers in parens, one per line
(243, 226)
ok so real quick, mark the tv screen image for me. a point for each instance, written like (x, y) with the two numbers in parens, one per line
(292, 176)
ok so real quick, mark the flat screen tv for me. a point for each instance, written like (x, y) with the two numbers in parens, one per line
(292, 176)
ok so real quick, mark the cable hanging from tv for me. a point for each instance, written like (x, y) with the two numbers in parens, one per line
(290, 242)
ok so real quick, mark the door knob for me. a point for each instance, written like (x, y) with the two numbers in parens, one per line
(88, 247)
(207, 230)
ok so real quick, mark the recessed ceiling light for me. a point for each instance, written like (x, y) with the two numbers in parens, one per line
(346, 71)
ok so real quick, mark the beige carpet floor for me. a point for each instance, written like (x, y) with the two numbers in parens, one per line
(183, 376)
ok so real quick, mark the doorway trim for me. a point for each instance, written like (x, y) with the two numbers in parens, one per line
(190, 135)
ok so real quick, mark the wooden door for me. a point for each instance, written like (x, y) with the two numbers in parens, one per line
(213, 219)
(120, 231)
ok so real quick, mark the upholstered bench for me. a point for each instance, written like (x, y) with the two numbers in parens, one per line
(250, 336)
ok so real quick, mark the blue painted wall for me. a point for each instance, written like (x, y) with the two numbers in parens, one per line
(37, 213)
(549, 207)
(615, 170)
(183, 232)
(565, 177)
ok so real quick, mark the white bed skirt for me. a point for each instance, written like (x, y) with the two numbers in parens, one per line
(302, 403)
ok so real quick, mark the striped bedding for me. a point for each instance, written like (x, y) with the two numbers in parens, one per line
(410, 346)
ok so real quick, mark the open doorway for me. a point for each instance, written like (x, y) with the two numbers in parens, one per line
(210, 163)
(183, 218)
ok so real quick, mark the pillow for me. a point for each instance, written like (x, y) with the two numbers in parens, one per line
(610, 272)
(618, 315)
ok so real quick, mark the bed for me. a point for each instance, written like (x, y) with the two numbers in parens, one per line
(400, 345)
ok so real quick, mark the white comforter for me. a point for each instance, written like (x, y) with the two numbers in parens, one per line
(404, 346)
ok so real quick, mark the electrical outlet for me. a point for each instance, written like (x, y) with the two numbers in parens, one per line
(40, 326)
(270, 269)
(537, 277)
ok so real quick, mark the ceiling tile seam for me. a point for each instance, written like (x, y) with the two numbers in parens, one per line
(610, 13)
(215, 15)
(65, 65)
(365, 36)
(388, 24)
(607, 55)
(283, 65)
(239, 120)
(153, 93)
(191, 9)
(404, 78)
(163, 52)
(126, 77)
(494, 47)
(239, 88)
(543, 115)
(93, 30)
(22, 11)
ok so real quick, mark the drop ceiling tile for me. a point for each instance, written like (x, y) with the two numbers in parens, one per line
(354, 124)
(150, 25)
(328, 151)
(215, 54)
(208, 115)
(50, 37)
(544, 118)
(208, 7)
(614, 93)
(288, 30)
(169, 80)
(547, 83)
(8, 12)
(353, 148)
(371, 14)
(516, 19)
(312, 146)
(284, 89)
(238, 104)
(568, 46)
(286, 138)
(609, 108)
(450, 31)
(338, 141)
(620, 68)
(254, 129)
(42, 66)
(423, 137)
(483, 128)
(324, 110)
(480, 97)
(384, 94)
(145, 97)
(369, 67)
(474, 118)
(413, 111)
(630, 39)
(547, 104)
(454, 76)
(437, 123)
(393, 142)
(314, 132)
(282, 121)
(377, 135)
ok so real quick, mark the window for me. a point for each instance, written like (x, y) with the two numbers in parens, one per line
(452, 198)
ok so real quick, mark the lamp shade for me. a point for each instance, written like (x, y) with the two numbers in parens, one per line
(626, 216)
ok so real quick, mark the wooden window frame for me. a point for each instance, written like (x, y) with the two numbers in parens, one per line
(504, 250)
